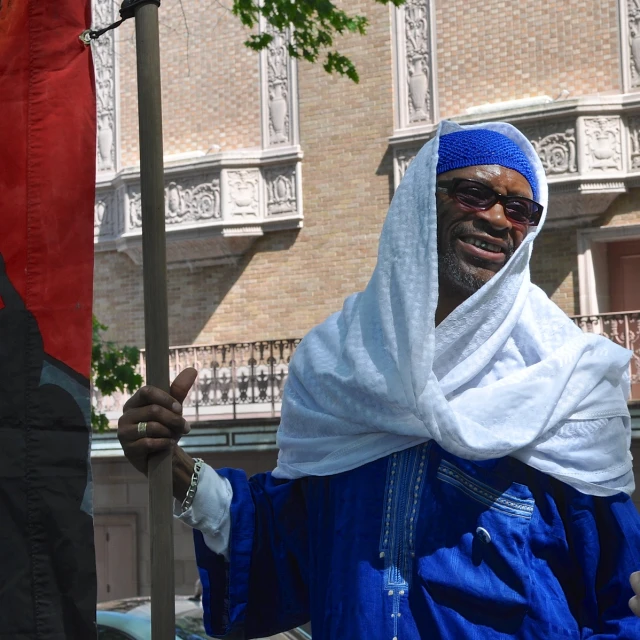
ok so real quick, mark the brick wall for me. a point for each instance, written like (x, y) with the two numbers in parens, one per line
(210, 82)
(288, 281)
(498, 51)
(625, 210)
(554, 267)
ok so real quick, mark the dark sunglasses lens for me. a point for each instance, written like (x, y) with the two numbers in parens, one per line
(475, 196)
(521, 211)
(524, 211)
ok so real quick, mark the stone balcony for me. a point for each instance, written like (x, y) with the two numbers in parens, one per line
(236, 400)
(235, 381)
(246, 379)
(589, 147)
(216, 205)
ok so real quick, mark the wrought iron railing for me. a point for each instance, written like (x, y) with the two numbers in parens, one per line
(624, 329)
(247, 378)
(233, 379)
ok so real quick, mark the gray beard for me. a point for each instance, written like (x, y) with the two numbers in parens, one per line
(454, 277)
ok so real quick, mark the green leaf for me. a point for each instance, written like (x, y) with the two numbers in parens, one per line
(113, 368)
(312, 25)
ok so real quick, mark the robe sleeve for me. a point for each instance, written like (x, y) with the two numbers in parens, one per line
(209, 512)
(605, 536)
(262, 589)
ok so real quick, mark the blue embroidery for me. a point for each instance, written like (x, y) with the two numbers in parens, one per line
(406, 471)
(483, 493)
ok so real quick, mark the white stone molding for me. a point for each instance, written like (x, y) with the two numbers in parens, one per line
(278, 91)
(104, 50)
(555, 143)
(593, 270)
(629, 12)
(104, 224)
(589, 147)
(403, 157)
(601, 142)
(633, 128)
(215, 206)
(194, 199)
(415, 64)
(242, 194)
(282, 185)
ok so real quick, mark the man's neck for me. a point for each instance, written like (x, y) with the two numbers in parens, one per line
(446, 305)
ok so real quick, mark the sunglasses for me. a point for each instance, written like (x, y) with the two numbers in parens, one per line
(476, 196)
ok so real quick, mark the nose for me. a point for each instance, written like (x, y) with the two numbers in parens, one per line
(495, 217)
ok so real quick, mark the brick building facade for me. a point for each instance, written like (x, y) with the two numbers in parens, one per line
(279, 176)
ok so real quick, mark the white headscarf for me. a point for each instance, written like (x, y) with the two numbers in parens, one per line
(506, 373)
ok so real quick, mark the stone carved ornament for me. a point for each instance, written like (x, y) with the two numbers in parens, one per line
(103, 219)
(633, 18)
(416, 26)
(278, 88)
(244, 187)
(633, 125)
(281, 191)
(603, 148)
(403, 159)
(191, 202)
(555, 147)
(103, 50)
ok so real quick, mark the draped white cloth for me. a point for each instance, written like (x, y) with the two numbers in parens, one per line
(507, 373)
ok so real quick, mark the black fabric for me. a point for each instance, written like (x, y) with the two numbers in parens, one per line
(47, 562)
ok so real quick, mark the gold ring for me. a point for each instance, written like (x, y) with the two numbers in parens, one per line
(142, 429)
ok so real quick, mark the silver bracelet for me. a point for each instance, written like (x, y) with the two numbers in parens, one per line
(193, 487)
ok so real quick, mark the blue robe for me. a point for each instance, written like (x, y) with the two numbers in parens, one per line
(423, 544)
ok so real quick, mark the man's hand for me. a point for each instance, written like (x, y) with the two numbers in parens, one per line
(163, 414)
(634, 603)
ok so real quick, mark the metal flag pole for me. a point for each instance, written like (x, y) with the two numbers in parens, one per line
(155, 306)
(154, 275)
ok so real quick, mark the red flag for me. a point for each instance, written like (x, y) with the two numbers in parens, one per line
(47, 183)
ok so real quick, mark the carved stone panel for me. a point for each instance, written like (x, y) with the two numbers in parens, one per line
(104, 59)
(281, 191)
(601, 144)
(415, 64)
(403, 158)
(104, 219)
(633, 35)
(633, 126)
(418, 60)
(213, 211)
(279, 107)
(243, 194)
(187, 201)
(278, 82)
(555, 144)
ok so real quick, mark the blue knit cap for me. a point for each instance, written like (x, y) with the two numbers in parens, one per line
(471, 147)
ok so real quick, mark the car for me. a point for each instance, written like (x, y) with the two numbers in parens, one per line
(130, 619)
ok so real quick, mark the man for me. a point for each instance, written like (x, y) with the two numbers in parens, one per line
(454, 453)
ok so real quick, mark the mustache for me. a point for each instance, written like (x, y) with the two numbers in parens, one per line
(481, 226)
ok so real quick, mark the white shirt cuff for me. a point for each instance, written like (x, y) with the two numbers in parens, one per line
(210, 511)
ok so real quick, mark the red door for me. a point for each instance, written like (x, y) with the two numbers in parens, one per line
(624, 295)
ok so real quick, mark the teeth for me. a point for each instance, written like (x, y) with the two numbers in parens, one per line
(483, 245)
